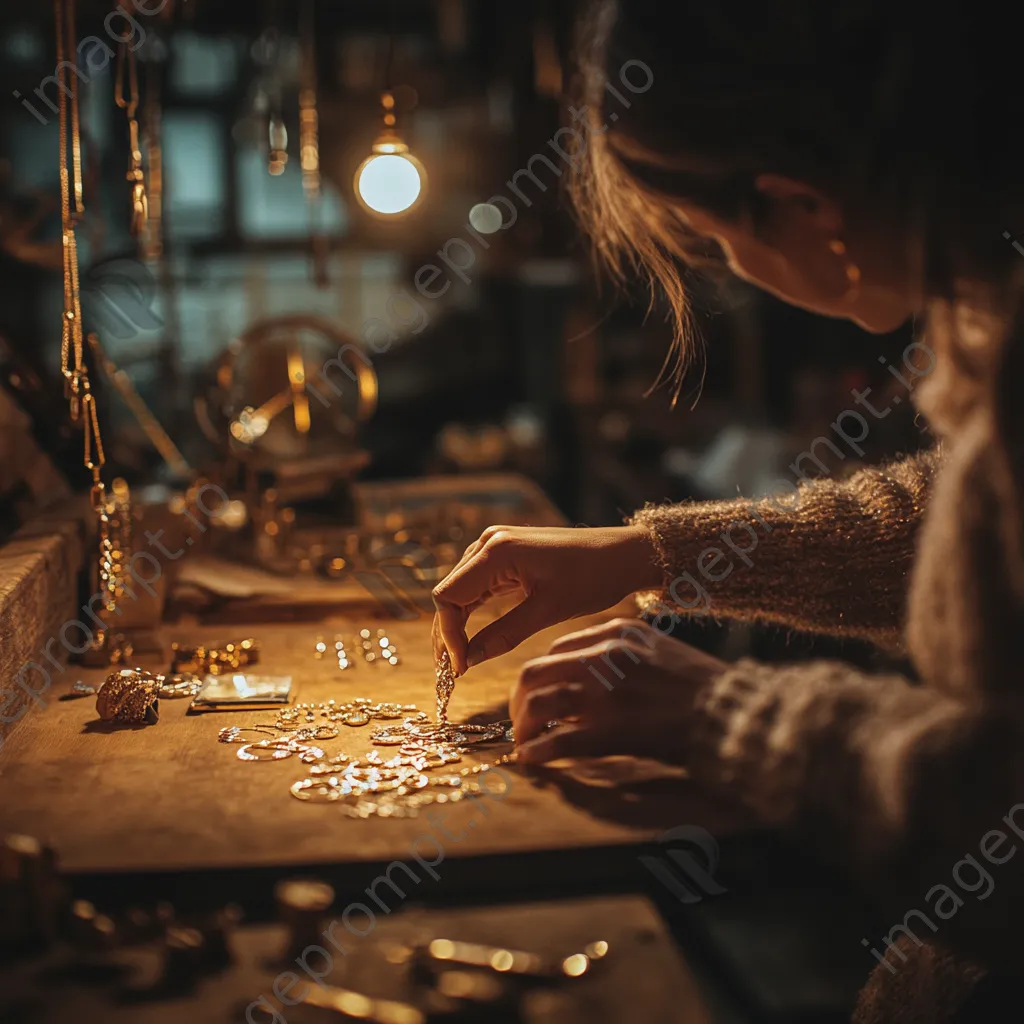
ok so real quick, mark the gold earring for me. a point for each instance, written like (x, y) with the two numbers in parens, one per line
(838, 246)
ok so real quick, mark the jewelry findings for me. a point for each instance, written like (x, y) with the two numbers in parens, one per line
(214, 661)
(398, 788)
(375, 784)
(342, 654)
(377, 648)
(354, 713)
(181, 684)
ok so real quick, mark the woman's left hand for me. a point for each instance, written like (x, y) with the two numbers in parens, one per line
(619, 688)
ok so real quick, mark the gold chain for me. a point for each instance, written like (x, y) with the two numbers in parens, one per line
(309, 143)
(115, 545)
(140, 204)
(72, 350)
(153, 245)
(113, 512)
(309, 146)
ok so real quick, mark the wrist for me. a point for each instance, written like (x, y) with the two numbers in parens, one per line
(641, 559)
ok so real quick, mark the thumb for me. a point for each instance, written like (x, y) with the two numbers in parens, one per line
(502, 635)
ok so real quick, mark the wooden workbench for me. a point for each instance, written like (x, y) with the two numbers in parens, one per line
(170, 798)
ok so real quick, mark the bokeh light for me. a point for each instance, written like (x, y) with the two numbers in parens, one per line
(485, 218)
(389, 183)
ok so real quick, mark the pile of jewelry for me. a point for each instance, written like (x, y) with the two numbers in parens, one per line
(132, 695)
(373, 785)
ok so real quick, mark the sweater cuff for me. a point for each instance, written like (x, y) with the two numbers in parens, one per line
(736, 746)
(762, 733)
(668, 530)
(673, 537)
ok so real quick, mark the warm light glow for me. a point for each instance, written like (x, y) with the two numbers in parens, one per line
(389, 183)
(575, 965)
(502, 960)
(485, 218)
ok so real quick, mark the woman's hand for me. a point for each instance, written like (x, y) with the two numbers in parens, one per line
(619, 688)
(559, 573)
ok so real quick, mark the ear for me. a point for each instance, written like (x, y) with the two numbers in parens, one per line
(822, 212)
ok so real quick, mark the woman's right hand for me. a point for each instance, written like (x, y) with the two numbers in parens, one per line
(558, 573)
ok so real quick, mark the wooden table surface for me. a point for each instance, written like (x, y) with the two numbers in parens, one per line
(169, 797)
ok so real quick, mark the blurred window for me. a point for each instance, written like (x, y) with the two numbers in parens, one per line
(194, 168)
(275, 207)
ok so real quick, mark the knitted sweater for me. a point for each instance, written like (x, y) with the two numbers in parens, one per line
(896, 782)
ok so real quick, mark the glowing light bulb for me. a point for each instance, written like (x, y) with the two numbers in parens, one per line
(390, 181)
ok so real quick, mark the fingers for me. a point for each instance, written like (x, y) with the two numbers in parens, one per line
(486, 571)
(567, 741)
(551, 704)
(605, 664)
(451, 629)
(508, 631)
(436, 640)
(491, 564)
(580, 667)
(615, 629)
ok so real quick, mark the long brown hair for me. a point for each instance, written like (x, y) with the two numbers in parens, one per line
(904, 111)
(901, 110)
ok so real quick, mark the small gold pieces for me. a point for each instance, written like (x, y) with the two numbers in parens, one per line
(396, 788)
(181, 684)
(278, 750)
(202, 660)
(131, 696)
(341, 654)
(377, 647)
(354, 713)
(376, 784)
(236, 733)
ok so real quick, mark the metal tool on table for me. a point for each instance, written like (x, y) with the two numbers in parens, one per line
(432, 1007)
(443, 954)
(301, 906)
(31, 894)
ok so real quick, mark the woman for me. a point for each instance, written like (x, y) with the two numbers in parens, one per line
(851, 159)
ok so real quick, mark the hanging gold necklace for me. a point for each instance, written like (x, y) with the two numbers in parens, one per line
(72, 354)
(140, 204)
(112, 512)
(309, 143)
(153, 243)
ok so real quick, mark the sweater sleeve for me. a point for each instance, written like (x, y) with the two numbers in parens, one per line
(918, 796)
(917, 790)
(827, 557)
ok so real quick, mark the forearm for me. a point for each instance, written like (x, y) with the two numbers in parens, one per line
(829, 557)
(898, 784)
